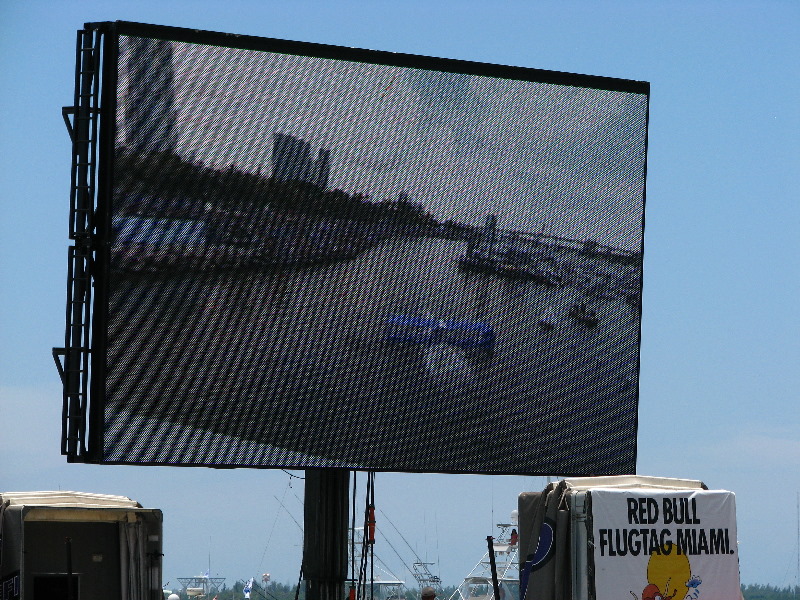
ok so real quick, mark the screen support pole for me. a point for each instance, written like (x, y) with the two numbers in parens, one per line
(325, 533)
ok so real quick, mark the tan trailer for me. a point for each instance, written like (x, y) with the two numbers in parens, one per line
(106, 546)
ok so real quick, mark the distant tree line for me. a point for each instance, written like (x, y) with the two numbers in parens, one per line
(273, 591)
(166, 184)
(283, 591)
(768, 592)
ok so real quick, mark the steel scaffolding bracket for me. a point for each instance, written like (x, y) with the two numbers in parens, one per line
(72, 361)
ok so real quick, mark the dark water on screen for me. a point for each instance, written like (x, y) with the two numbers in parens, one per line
(297, 359)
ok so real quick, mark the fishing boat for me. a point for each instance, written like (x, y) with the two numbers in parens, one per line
(201, 586)
(477, 262)
(505, 255)
(479, 585)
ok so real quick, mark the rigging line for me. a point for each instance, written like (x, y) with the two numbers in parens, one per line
(353, 533)
(416, 556)
(372, 535)
(271, 531)
(384, 565)
(296, 522)
(396, 553)
(414, 552)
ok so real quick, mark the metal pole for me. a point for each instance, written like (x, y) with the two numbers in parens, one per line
(493, 565)
(325, 533)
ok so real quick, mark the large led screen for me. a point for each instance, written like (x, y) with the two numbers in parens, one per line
(315, 256)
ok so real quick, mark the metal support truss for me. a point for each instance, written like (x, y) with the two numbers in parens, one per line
(73, 359)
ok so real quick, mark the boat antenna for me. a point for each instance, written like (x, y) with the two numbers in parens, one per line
(438, 556)
(492, 503)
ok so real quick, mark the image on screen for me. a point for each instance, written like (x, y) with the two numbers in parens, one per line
(370, 264)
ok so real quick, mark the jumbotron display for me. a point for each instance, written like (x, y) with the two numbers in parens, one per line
(311, 256)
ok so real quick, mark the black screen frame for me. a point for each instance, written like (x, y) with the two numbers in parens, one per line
(100, 267)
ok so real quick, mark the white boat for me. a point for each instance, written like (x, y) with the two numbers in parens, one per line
(201, 586)
(385, 585)
(478, 585)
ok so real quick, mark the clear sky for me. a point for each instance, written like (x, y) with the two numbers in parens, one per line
(720, 329)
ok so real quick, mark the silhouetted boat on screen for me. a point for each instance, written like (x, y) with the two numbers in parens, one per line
(479, 263)
(583, 314)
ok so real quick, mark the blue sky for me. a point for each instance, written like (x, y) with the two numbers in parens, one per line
(720, 328)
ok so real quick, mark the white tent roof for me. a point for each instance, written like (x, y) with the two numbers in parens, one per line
(633, 481)
(67, 499)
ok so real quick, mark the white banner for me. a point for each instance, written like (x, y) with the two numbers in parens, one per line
(665, 545)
